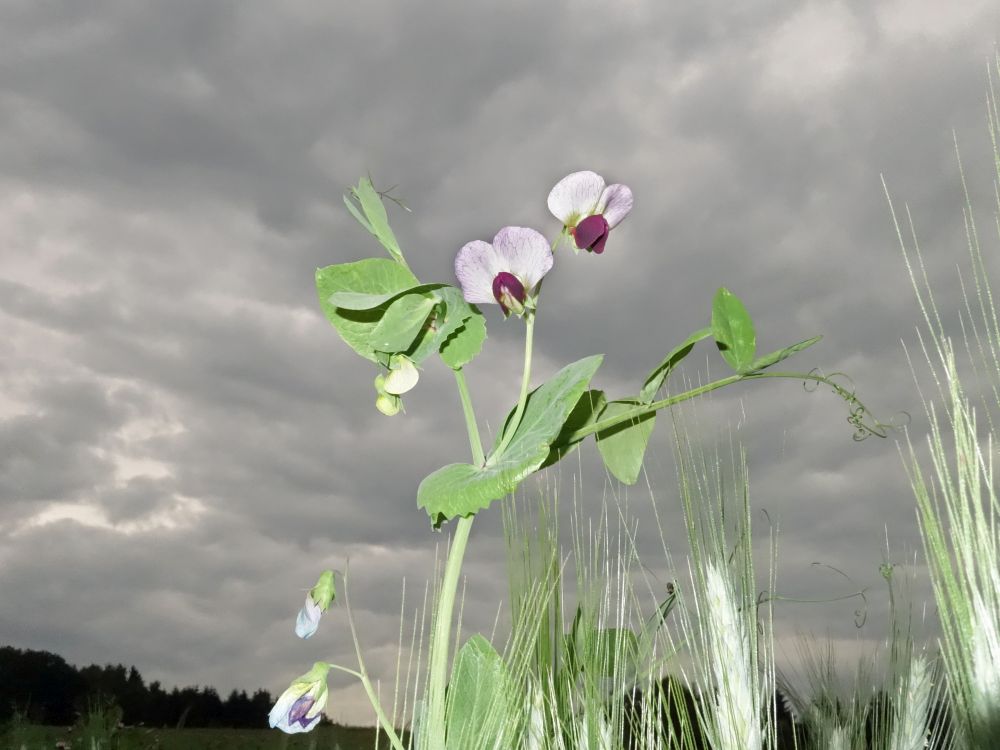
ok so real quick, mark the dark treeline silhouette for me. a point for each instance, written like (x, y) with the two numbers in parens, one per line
(50, 691)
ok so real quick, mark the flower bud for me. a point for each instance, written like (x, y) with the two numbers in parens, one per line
(299, 707)
(388, 404)
(318, 601)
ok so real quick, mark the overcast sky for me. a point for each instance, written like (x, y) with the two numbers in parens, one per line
(184, 440)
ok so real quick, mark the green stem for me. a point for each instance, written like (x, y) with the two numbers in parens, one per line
(470, 419)
(644, 409)
(525, 382)
(373, 698)
(362, 674)
(438, 678)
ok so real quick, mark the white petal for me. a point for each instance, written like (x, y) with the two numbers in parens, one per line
(280, 711)
(615, 203)
(526, 253)
(476, 265)
(575, 197)
(320, 696)
(403, 375)
(308, 620)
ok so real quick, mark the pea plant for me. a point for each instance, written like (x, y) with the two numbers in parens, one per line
(389, 317)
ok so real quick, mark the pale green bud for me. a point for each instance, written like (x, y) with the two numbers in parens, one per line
(388, 404)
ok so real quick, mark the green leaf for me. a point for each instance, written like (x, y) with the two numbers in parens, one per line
(464, 344)
(401, 323)
(360, 301)
(612, 647)
(733, 330)
(357, 214)
(623, 446)
(464, 489)
(584, 414)
(775, 357)
(601, 652)
(378, 222)
(447, 317)
(370, 276)
(481, 699)
(662, 371)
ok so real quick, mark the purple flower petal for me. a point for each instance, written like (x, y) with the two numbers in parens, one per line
(476, 265)
(297, 713)
(575, 196)
(524, 253)
(598, 247)
(278, 717)
(591, 233)
(507, 288)
(615, 203)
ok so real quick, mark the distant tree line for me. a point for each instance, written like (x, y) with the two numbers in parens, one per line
(49, 691)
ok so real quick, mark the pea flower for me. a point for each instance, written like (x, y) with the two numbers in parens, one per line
(403, 375)
(507, 272)
(588, 209)
(317, 602)
(299, 707)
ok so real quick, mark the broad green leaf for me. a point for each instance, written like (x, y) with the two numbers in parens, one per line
(370, 276)
(733, 330)
(446, 318)
(775, 357)
(401, 323)
(465, 343)
(378, 222)
(623, 446)
(358, 301)
(481, 699)
(662, 371)
(464, 489)
(601, 652)
(585, 413)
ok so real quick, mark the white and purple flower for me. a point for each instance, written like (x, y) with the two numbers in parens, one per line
(588, 209)
(507, 272)
(318, 601)
(299, 707)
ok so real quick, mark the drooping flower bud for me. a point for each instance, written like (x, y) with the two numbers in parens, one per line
(318, 601)
(299, 707)
(387, 403)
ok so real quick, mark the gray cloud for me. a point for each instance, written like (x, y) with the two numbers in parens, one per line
(185, 442)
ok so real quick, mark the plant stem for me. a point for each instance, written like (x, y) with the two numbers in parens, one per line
(644, 409)
(362, 674)
(438, 678)
(525, 382)
(470, 419)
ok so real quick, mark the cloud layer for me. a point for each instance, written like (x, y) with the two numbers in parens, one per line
(185, 443)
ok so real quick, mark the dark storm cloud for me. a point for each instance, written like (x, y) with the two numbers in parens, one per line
(171, 178)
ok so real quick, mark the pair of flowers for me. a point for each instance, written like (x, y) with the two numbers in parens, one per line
(509, 271)
(299, 707)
